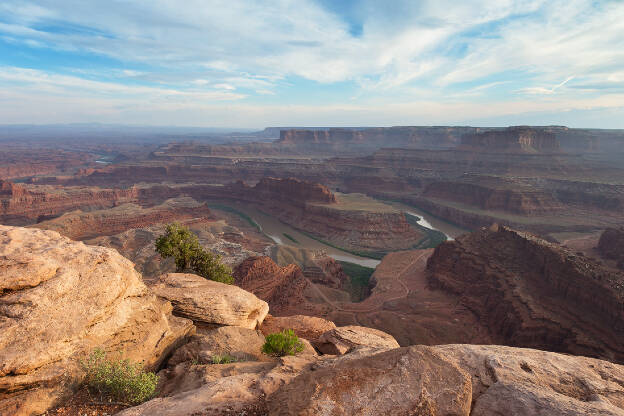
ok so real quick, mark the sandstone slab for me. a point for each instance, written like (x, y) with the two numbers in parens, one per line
(521, 381)
(60, 299)
(414, 380)
(344, 339)
(210, 302)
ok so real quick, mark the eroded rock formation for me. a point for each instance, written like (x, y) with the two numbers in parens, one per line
(59, 300)
(281, 287)
(209, 302)
(532, 293)
(314, 209)
(611, 245)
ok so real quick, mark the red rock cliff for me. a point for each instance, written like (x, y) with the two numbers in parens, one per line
(611, 245)
(281, 287)
(512, 139)
(532, 293)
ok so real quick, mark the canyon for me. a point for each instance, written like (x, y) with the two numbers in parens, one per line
(292, 215)
(179, 321)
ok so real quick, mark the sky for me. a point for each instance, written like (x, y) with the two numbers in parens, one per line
(252, 64)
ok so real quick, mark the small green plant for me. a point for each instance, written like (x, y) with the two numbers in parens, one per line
(223, 359)
(282, 343)
(181, 244)
(121, 380)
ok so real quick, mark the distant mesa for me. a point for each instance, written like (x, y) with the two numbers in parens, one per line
(512, 139)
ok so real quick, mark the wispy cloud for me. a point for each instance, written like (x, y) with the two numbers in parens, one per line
(542, 90)
(442, 52)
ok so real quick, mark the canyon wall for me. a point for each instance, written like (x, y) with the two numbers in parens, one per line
(532, 293)
(83, 225)
(519, 200)
(512, 139)
(611, 245)
(24, 204)
(314, 209)
(281, 287)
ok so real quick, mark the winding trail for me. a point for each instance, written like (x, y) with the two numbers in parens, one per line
(377, 301)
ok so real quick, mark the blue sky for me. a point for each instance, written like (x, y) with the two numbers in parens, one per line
(315, 63)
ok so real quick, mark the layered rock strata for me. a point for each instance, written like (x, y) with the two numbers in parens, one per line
(282, 288)
(532, 293)
(512, 139)
(209, 302)
(83, 225)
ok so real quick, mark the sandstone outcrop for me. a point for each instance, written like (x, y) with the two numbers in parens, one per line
(611, 245)
(345, 339)
(477, 380)
(414, 380)
(241, 343)
(281, 287)
(238, 388)
(59, 300)
(210, 303)
(532, 293)
(528, 382)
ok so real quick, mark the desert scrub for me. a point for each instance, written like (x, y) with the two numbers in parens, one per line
(223, 359)
(121, 380)
(282, 343)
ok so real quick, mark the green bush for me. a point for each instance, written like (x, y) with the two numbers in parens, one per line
(121, 380)
(181, 244)
(223, 359)
(209, 266)
(283, 343)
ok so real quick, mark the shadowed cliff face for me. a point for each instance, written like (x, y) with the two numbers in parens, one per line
(532, 293)
(611, 245)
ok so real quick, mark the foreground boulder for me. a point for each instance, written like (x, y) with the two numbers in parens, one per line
(222, 389)
(344, 339)
(396, 382)
(241, 343)
(526, 382)
(462, 380)
(59, 300)
(208, 302)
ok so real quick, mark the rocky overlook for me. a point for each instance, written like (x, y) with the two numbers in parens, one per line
(66, 298)
(60, 299)
(532, 293)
